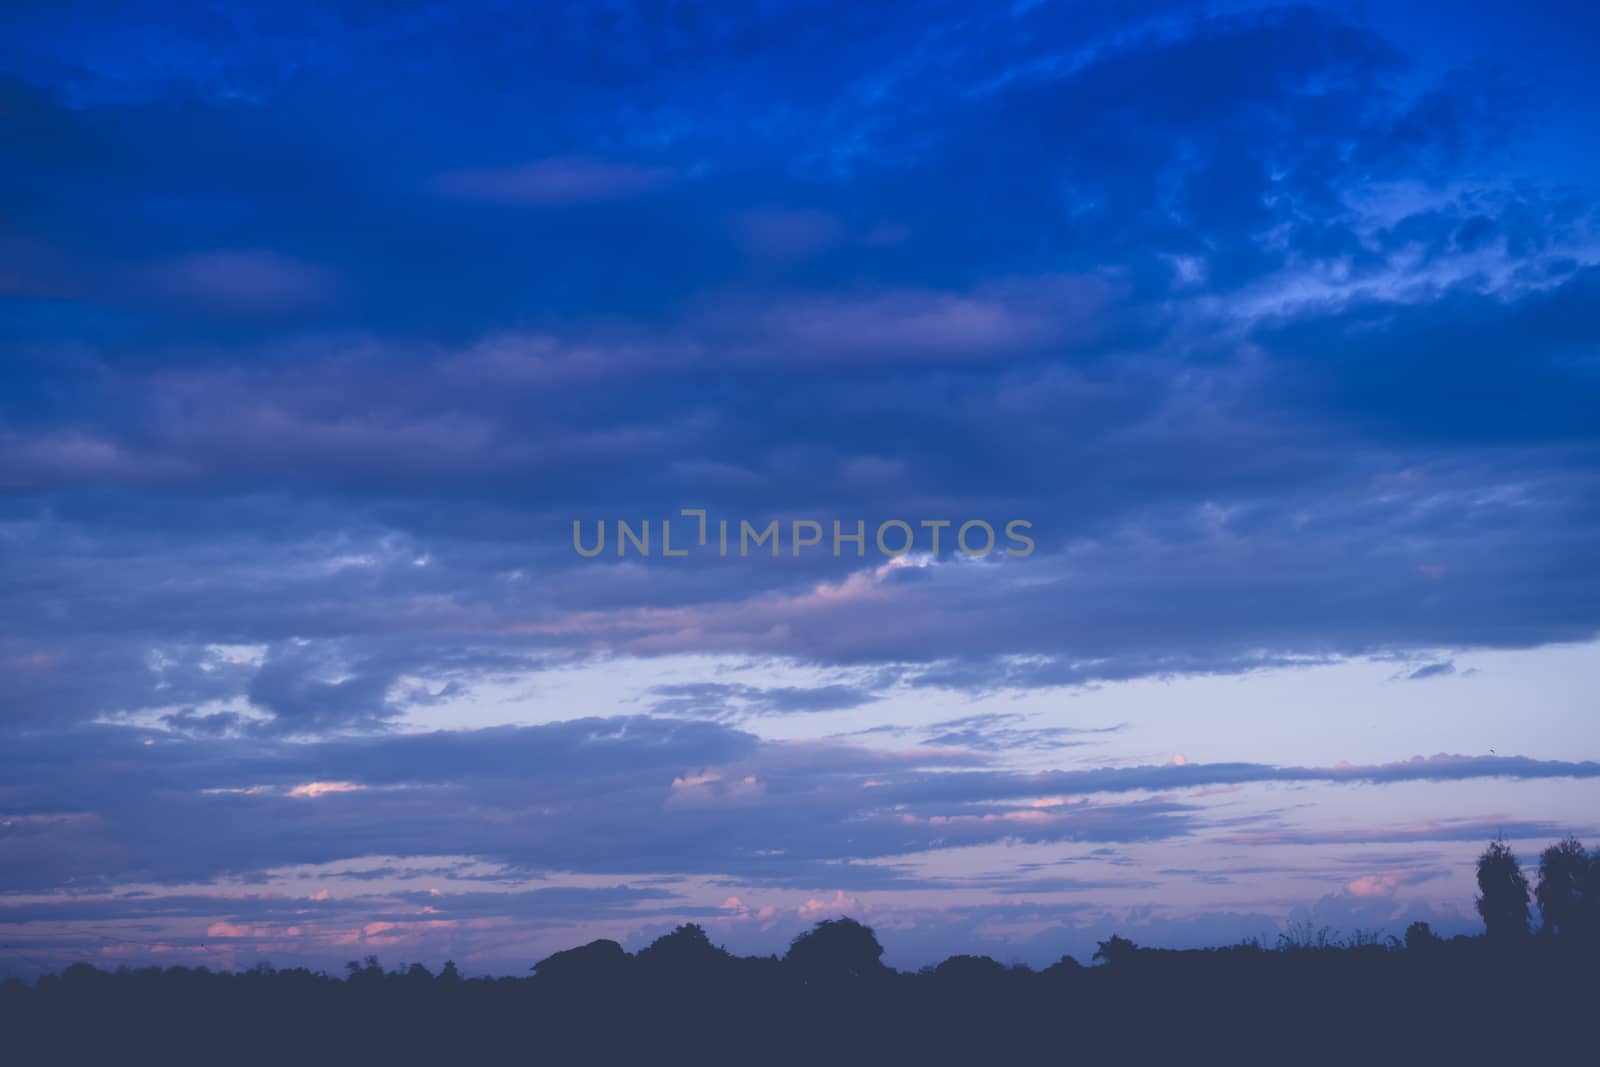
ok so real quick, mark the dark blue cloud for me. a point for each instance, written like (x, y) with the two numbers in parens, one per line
(1432, 670)
(1199, 262)
(1469, 366)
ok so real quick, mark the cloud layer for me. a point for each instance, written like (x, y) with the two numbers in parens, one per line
(319, 333)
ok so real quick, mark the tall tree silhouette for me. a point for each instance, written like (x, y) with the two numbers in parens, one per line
(1563, 874)
(1502, 894)
(1589, 916)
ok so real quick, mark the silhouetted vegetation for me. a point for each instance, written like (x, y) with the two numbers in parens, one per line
(1315, 996)
(1502, 894)
(1566, 893)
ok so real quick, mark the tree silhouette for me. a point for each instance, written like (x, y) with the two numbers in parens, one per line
(1115, 949)
(1564, 871)
(593, 962)
(973, 969)
(687, 951)
(1065, 967)
(368, 972)
(1589, 917)
(1502, 894)
(836, 948)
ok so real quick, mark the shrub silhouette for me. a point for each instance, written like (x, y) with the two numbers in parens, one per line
(1421, 938)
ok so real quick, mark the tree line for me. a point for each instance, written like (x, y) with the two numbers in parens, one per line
(831, 998)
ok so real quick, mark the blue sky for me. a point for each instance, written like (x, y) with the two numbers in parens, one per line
(321, 326)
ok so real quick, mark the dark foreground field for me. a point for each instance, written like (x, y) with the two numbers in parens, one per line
(829, 1000)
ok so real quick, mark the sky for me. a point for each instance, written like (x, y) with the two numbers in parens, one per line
(1263, 340)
